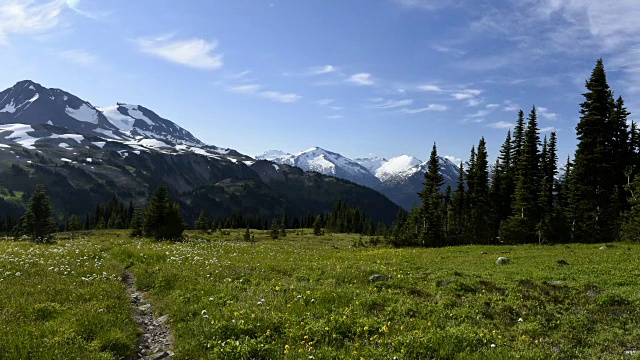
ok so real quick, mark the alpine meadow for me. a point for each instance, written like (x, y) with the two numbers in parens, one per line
(123, 235)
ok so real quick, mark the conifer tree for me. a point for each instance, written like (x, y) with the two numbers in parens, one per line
(163, 219)
(137, 223)
(282, 231)
(202, 223)
(518, 140)
(275, 229)
(432, 230)
(247, 234)
(479, 205)
(317, 226)
(458, 210)
(591, 215)
(37, 222)
(73, 223)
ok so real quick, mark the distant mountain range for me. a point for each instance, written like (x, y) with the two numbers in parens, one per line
(399, 178)
(85, 154)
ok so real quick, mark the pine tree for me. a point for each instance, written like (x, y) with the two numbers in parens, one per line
(317, 226)
(137, 222)
(73, 223)
(275, 229)
(247, 235)
(518, 140)
(38, 222)
(458, 210)
(478, 195)
(505, 181)
(591, 214)
(432, 231)
(202, 223)
(283, 227)
(162, 219)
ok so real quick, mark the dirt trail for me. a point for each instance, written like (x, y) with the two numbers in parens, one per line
(156, 340)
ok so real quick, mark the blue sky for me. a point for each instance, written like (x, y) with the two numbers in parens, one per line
(359, 77)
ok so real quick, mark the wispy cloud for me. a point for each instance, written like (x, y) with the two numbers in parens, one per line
(361, 79)
(430, 107)
(280, 97)
(75, 6)
(501, 125)
(430, 88)
(453, 159)
(83, 58)
(256, 89)
(545, 113)
(466, 94)
(28, 18)
(326, 69)
(480, 114)
(335, 117)
(194, 53)
(390, 104)
(511, 107)
(492, 106)
(548, 129)
(325, 102)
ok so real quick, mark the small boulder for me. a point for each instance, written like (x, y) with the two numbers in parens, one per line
(556, 283)
(503, 261)
(162, 319)
(144, 307)
(378, 277)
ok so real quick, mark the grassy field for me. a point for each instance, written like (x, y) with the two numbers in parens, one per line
(307, 297)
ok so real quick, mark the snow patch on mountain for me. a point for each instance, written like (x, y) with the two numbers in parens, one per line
(115, 117)
(84, 113)
(277, 156)
(19, 134)
(371, 164)
(403, 164)
(75, 137)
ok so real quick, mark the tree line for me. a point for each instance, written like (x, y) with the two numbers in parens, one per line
(522, 200)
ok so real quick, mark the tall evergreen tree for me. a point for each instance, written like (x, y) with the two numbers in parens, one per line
(163, 219)
(38, 222)
(591, 215)
(518, 140)
(458, 210)
(432, 232)
(479, 205)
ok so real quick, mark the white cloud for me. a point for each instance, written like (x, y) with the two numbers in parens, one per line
(28, 18)
(361, 79)
(466, 94)
(511, 107)
(280, 97)
(390, 104)
(335, 117)
(326, 69)
(255, 89)
(82, 57)
(75, 6)
(492, 106)
(545, 113)
(453, 159)
(430, 107)
(336, 108)
(325, 102)
(548, 129)
(195, 53)
(430, 87)
(246, 89)
(501, 125)
(479, 114)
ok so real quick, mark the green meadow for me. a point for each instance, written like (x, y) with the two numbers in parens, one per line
(308, 297)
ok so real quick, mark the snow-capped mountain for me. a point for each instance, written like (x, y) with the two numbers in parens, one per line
(138, 121)
(30, 103)
(372, 164)
(31, 114)
(399, 178)
(325, 162)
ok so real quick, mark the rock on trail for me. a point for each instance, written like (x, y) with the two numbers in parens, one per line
(156, 340)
